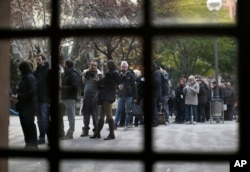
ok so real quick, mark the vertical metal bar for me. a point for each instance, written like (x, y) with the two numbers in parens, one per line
(4, 83)
(54, 129)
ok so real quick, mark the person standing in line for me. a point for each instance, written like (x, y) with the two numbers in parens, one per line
(156, 93)
(42, 76)
(165, 91)
(140, 82)
(107, 92)
(90, 78)
(69, 90)
(230, 99)
(191, 91)
(202, 100)
(26, 104)
(127, 93)
(180, 101)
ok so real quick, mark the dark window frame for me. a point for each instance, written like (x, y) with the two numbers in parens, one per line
(146, 32)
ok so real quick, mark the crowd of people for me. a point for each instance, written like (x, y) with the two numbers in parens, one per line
(99, 91)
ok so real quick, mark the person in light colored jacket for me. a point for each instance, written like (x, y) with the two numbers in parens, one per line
(191, 91)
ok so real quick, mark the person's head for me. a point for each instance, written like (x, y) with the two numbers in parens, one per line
(93, 65)
(68, 64)
(228, 84)
(181, 82)
(222, 85)
(191, 79)
(111, 65)
(24, 67)
(124, 66)
(213, 84)
(137, 73)
(40, 60)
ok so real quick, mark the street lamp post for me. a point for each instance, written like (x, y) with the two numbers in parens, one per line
(214, 6)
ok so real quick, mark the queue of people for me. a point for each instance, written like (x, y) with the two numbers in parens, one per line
(99, 91)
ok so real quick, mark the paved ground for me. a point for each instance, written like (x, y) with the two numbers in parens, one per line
(203, 137)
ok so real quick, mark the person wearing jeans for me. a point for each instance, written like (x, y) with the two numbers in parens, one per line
(191, 91)
(127, 93)
(43, 82)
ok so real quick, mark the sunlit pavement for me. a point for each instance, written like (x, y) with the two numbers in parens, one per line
(202, 138)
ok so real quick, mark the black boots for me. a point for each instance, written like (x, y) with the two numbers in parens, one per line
(109, 137)
(111, 130)
(84, 133)
(97, 134)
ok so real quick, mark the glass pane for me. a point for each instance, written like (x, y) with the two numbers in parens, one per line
(174, 12)
(189, 91)
(30, 14)
(98, 95)
(188, 166)
(108, 14)
(25, 130)
(101, 166)
(29, 165)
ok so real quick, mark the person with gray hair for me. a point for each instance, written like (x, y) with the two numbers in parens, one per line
(127, 93)
(191, 91)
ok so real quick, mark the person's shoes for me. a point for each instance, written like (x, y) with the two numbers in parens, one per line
(41, 142)
(95, 136)
(115, 127)
(194, 123)
(130, 125)
(109, 137)
(125, 128)
(31, 147)
(155, 125)
(121, 125)
(84, 133)
(67, 137)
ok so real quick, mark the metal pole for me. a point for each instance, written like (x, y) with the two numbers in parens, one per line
(217, 96)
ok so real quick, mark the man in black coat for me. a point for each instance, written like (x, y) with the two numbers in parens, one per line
(42, 76)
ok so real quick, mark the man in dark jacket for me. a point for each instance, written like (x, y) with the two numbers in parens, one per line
(156, 93)
(202, 100)
(42, 77)
(69, 91)
(230, 99)
(127, 93)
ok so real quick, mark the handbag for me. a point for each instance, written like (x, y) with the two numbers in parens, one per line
(135, 110)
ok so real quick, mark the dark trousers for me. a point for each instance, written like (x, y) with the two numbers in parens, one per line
(201, 112)
(27, 120)
(43, 120)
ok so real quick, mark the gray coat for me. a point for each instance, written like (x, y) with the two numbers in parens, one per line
(191, 93)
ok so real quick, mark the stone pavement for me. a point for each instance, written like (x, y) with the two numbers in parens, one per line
(202, 138)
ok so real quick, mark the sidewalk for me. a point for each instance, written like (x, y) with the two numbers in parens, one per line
(202, 137)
